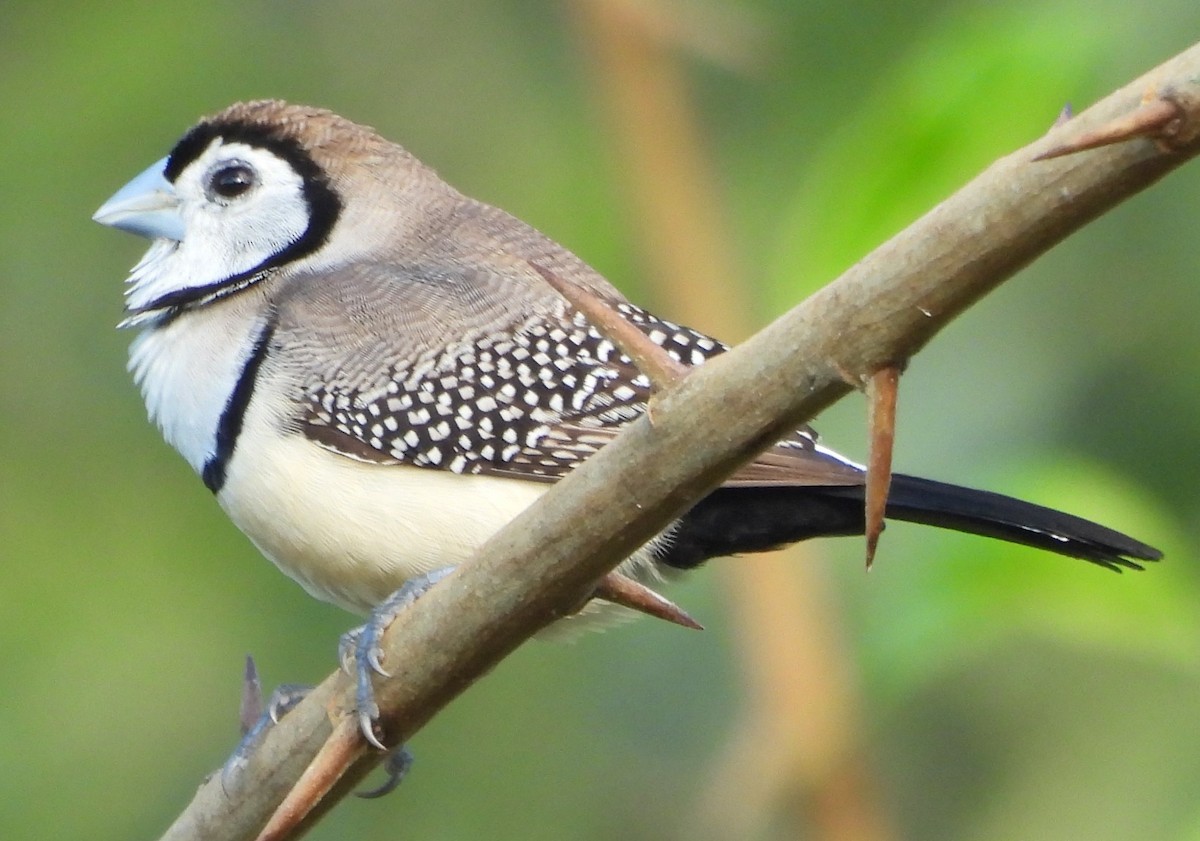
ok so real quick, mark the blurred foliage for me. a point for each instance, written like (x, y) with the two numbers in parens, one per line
(1009, 694)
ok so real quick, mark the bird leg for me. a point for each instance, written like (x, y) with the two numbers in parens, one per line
(360, 653)
(256, 717)
(359, 649)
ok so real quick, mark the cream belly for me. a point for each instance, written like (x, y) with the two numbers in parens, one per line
(351, 532)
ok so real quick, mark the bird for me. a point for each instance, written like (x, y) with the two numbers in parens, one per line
(372, 374)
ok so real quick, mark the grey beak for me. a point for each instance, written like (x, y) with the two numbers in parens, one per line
(146, 206)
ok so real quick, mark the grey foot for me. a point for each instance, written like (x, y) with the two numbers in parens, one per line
(282, 700)
(257, 719)
(359, 648)
(396, 766)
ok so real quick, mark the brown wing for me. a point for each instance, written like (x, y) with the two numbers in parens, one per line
(527, 395)
(794, 462)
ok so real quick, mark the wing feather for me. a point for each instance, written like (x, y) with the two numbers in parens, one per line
(524, 392)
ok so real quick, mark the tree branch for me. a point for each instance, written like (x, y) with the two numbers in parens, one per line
(549, 559)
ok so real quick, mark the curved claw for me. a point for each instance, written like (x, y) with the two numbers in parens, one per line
(361, 645)
(372, 656)
(285, 697)
(396, 766)
(366, 723)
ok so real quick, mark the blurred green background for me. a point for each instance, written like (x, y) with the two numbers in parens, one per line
(1005, 694)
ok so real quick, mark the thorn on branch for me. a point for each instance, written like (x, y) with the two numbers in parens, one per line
(882, 390)
(662, 369)
(1159, 117)
(251, 709)
(659, 366)
(341, 750)
(619, 589)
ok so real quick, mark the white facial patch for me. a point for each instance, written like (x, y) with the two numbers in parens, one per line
(224, 237)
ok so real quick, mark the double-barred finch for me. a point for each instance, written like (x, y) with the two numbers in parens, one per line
(367, 370)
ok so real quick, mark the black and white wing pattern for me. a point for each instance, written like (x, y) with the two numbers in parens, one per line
(527, 400)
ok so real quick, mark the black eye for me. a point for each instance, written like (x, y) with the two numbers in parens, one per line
(232, 180)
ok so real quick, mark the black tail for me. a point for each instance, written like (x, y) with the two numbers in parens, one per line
(994, 515)
(754, 519)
